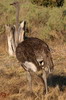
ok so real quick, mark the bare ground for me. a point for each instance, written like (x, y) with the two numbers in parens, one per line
(13, 82)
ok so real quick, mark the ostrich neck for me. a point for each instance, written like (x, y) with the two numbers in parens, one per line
(17, 18)
(17, 26)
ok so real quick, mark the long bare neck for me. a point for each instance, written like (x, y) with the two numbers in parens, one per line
(17, 24)
(19, 31)
(17, 17)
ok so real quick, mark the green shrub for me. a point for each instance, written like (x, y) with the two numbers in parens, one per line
(38, 16)
(44, 32)
(56, 19)
(47, 3)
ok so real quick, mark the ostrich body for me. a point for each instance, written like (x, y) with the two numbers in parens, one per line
(34, 55)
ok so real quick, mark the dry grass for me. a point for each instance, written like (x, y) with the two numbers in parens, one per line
(13, 83)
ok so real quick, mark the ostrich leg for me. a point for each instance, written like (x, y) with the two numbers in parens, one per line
(45, 80)
(29, 78)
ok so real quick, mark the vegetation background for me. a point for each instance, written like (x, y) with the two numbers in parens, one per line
(46, 19)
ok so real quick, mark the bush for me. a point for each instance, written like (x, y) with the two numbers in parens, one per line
(47, 3)
(38, 16)
(56, 19)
